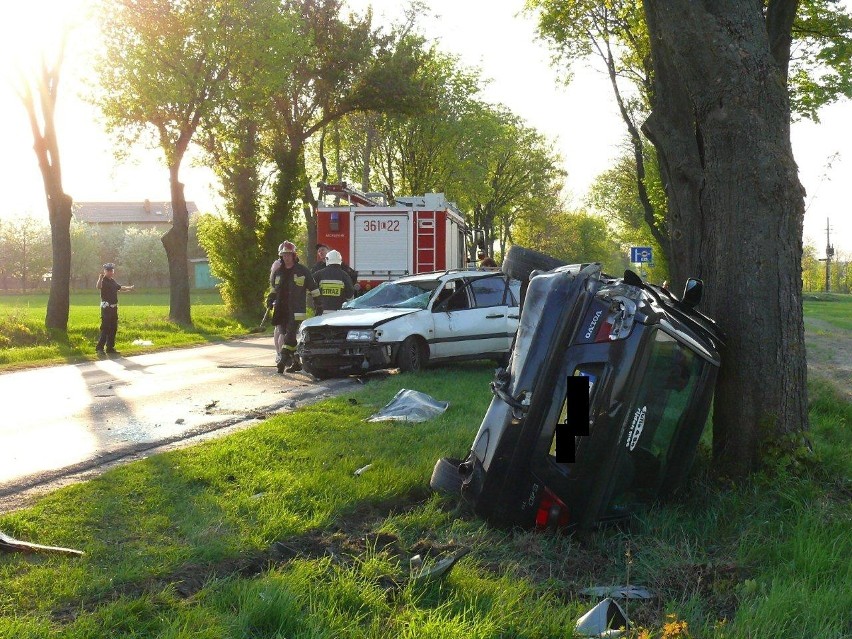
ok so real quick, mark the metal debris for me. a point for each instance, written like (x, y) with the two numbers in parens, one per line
(10, 544)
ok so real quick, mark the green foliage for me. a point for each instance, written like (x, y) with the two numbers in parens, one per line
(236, 260)
(614, 194)
(25, 252)
(143, 258)
(574, 237)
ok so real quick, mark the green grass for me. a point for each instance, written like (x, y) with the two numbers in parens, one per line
(267, 533)
(832, 308)
(143, 315)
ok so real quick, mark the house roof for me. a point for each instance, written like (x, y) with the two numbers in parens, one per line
(146, 212)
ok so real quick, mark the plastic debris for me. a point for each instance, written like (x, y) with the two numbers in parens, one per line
(415, 565)
(142, 342)
(607, 619)
(619, 592)
(10, 544)
(410, 406)
(362, 469)
(439, 568)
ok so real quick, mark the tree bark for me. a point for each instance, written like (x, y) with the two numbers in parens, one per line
(175, 242)
(720, 123)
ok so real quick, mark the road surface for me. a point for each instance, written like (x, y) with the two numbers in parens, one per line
(64, 423)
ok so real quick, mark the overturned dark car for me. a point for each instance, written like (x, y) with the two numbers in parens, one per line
(600, 408)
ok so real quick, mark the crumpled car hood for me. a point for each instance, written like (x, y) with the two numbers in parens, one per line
(359, 317)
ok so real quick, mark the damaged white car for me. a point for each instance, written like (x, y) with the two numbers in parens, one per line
(412, 321)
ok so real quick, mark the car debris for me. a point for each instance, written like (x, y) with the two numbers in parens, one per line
(601, 406)
(410, 406)
(10, 544)
(439, 569)
(361, 470)
(606, 619)
(619, 592)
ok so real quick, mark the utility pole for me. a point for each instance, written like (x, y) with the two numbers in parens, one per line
(829, 253)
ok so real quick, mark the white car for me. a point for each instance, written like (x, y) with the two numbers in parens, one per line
(406, 323)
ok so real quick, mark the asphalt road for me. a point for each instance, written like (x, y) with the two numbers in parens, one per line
(64, 423)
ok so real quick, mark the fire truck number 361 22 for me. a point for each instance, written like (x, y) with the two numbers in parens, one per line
(383, 225)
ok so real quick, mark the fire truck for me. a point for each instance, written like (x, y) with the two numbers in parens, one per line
(385, 240)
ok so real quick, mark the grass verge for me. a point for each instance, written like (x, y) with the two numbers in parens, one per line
(268, 533)
(143, 316)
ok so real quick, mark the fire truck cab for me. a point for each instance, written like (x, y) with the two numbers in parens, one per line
(384, 240)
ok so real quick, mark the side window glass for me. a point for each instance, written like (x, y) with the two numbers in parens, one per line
(489, 291)
(514, 293)
(453, 297)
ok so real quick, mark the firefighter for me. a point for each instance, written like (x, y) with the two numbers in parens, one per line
(290, 281)
(322, 252)
(334, 283)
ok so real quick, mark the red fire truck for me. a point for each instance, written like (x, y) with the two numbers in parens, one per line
(384, 241)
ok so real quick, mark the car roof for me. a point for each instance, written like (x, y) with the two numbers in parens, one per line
(444, 276)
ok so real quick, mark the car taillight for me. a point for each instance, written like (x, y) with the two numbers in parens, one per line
(552, 511)
(604, 332)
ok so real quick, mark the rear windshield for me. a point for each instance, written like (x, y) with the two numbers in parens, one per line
(665, 394)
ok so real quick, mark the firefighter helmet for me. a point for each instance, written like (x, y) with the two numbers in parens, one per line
(286, 247)
(333, 257)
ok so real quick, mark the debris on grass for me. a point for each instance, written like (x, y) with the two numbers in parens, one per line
(410, 406)
(619, 592)
(362, 469)
(10, 544)
(606, 619)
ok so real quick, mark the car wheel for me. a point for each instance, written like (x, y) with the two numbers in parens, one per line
(446, 477)
(412, 355)
(520, 262)
(316, 371)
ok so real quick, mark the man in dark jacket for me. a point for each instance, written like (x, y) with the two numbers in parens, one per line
(290, 281)
(334, 284)
(109, 289)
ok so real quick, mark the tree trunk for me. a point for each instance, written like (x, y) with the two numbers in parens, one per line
(720, 122)
(175, 242)
(285, 192)
(59, 300)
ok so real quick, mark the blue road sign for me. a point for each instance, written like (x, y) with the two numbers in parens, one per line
(640, 254)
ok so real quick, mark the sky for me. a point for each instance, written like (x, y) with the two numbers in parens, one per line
(581, 118)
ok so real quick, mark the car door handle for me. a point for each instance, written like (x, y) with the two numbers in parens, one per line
(514, 317)
(494, 316)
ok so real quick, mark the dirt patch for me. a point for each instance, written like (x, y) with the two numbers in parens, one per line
(830, 355)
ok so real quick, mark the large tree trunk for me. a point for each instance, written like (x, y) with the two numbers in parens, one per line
(720, 123)
(175, 242)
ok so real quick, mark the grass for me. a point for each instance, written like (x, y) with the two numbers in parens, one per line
(143, 315)
(267, 533)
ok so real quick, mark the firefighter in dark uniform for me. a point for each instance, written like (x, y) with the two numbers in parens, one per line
(322, 262)
(290, 282)
(109, 289)
(334, 284)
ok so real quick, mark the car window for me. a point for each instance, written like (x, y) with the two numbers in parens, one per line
(489, 291)
(453, 297)
(515, 293)
(396, 295)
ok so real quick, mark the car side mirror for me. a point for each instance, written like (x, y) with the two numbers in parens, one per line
(692, 292)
